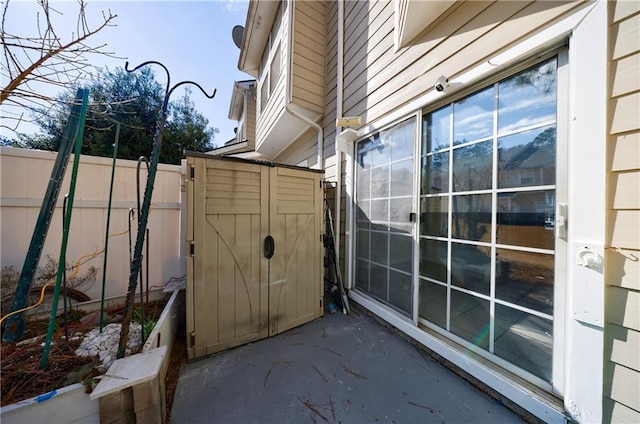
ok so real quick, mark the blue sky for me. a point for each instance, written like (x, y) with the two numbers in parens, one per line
(191, 38)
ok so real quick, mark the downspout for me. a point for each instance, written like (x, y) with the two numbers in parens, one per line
(288, 101)
(339, 105)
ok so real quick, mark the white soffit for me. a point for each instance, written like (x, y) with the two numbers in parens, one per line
(414, 16)
(260, 18)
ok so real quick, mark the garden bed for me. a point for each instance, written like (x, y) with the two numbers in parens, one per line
(27, 390)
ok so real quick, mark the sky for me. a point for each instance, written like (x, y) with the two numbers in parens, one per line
(191, 38)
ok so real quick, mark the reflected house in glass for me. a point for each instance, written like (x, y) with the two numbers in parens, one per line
(463, 214)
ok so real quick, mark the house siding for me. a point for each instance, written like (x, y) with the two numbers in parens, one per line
(302, 152)
(250, 117)
(622, 271)
(330, 91)
(308, 51)
(379, 80)
(275, 106)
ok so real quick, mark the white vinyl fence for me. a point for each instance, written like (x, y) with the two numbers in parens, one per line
(24, 176)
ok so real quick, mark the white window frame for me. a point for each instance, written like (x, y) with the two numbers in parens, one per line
(268, 55)
(585, 100)
(560, 245)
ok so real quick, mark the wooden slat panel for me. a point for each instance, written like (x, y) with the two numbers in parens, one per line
(201, 263)
(225, 167)
(623, 9)
(623, 307)
(296, 274)
(623, 268)
(626, 37)
(224, 187)
(625, 150)
(625, 116)
(246, 290)
(229, 301)
(241, 195)
(625, 190)
(624, 386)
(224, 275)
(626, 75)
(624, 229)
(191, 271)
(216, 208)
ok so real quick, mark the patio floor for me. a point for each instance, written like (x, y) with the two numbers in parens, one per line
(336, 369)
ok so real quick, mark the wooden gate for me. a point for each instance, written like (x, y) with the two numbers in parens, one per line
(254, 263)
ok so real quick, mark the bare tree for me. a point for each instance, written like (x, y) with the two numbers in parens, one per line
(30, 62)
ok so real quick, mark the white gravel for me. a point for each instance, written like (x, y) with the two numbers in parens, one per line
(105, 345)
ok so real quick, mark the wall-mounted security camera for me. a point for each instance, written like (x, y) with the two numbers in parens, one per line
(442, 83)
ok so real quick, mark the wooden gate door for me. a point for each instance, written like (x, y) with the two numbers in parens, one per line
(295, 270)
(241, 286)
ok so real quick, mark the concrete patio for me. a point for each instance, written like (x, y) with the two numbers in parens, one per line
(336, 369)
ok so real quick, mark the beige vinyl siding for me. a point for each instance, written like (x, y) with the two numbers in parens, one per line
(267, 117)
(480, 29)
(308, 50)
(250, 119)
(330, 96)
(275, 107)
(305, 148)
(332, 168)
(622, 272)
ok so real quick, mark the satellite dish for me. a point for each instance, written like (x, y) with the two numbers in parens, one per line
(237, 34)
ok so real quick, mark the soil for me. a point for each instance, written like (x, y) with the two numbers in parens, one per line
(22, 378)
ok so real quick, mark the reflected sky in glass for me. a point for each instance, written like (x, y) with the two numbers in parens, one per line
(437, 126)
(473, 117)
(528, 98)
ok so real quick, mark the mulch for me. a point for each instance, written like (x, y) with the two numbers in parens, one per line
(22, 378)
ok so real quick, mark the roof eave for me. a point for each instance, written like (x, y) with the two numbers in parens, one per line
(260, 16)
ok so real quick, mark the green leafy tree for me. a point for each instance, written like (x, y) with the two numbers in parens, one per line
(134, 100)
(186, 130)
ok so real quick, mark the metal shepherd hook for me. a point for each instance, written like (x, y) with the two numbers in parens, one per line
(136, 263)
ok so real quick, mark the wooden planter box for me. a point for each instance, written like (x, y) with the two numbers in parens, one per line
(144, 387)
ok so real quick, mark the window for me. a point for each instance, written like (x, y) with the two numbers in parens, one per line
(264, 94)
(275, 70)
(384, 198)
(487, 197)
(270, 65)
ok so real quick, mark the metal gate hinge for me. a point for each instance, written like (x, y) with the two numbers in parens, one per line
(192, 172)
(193, 338)
(192, 248)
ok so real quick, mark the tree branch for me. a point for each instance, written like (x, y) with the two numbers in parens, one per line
(48, 49)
